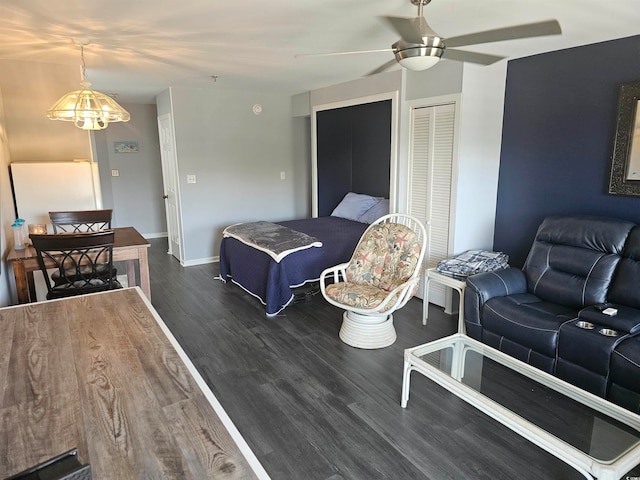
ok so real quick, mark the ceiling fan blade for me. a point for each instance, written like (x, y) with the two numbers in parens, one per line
(333, 54)
(383, 67)
(473, 57)
(538, 29)
(408, 28)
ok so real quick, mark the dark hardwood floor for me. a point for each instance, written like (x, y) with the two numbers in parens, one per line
(311, 407)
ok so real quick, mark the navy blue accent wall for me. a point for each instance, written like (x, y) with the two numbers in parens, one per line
(557, 140)
(353, 152)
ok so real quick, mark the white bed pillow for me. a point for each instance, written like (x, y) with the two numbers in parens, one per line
(379, 209)
(353, 205)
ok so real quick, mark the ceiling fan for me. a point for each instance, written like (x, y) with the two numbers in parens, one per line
(420, 47)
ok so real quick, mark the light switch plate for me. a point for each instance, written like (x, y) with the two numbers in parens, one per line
(191, 179)
(115, 173)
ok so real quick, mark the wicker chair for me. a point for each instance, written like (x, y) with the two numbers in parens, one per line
(381, 277)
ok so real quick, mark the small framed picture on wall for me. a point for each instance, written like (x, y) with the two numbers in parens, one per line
(125, 147)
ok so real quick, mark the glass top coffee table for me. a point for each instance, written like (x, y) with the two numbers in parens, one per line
(596, 437)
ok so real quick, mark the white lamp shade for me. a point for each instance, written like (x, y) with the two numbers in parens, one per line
(88, 109)
(418, 58)
(418, 63)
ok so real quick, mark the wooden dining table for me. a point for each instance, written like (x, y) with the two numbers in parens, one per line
(103, 374)
(128, 246)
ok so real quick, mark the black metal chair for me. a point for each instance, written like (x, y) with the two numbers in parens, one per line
(82, 262)
(80, 220)
(76, 221)
(65, 466)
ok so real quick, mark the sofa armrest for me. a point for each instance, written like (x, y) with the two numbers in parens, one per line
(484, 286)
(510, 281)
(627, 320)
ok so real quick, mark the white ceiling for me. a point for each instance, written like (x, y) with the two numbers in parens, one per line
(140, 47)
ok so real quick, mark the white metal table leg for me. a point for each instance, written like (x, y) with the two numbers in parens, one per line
(406, 380)
(425, 299)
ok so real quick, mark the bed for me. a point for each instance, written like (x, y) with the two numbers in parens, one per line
(274, 282)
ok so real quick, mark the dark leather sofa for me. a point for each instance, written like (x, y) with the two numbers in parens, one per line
(546, 314)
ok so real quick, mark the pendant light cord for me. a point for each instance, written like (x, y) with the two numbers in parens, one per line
(84, 68)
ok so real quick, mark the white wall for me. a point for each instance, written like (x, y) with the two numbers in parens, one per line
(136, 194)
(237, 158)
(301, 112)
(6, 213)
(30, 88)
(300, 105)
(479, 155)
(302, 165)
(362, 87)
(443, 79)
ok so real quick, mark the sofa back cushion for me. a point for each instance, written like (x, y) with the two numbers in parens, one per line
(573, 259)
(625, 288)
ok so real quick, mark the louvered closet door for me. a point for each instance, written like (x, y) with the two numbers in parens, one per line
(430, 182)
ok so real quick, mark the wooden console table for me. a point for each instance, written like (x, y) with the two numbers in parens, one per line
(128, 245)
(102, 373)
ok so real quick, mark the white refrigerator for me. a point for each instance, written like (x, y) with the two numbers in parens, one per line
(43, 187)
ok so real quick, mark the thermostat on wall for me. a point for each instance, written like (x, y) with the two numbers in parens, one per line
(257, 109)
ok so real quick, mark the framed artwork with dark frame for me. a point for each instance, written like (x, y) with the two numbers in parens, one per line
(625, 163)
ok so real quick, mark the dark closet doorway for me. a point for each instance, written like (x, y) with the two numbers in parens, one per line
(353, 152)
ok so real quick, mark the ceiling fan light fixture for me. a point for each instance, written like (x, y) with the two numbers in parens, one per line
(419, 58)
(86, 108)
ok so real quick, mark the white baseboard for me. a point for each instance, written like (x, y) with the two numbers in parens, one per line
(200, 261)
(155, 235)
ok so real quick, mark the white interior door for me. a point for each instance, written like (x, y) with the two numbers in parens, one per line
(430, 179)
(171, 189)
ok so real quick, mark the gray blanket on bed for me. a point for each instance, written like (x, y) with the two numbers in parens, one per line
(271, 238)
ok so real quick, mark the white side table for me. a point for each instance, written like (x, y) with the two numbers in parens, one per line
(432, 275)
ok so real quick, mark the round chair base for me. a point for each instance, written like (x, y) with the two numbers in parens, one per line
(366, 331)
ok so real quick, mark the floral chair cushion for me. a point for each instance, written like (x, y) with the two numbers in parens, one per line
(383, 260)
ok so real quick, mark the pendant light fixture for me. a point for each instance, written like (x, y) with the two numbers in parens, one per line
(87, 109)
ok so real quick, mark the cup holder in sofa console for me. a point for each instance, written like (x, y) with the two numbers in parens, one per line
(608, 332)
(585, 325)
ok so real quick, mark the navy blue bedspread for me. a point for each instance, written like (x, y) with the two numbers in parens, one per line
(272, 282)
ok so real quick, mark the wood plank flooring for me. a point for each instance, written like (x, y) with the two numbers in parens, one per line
(311, 407)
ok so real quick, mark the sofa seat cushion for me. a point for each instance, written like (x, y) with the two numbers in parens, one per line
(527, 320)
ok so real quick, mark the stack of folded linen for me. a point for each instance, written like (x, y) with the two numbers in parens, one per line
(472, 262)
